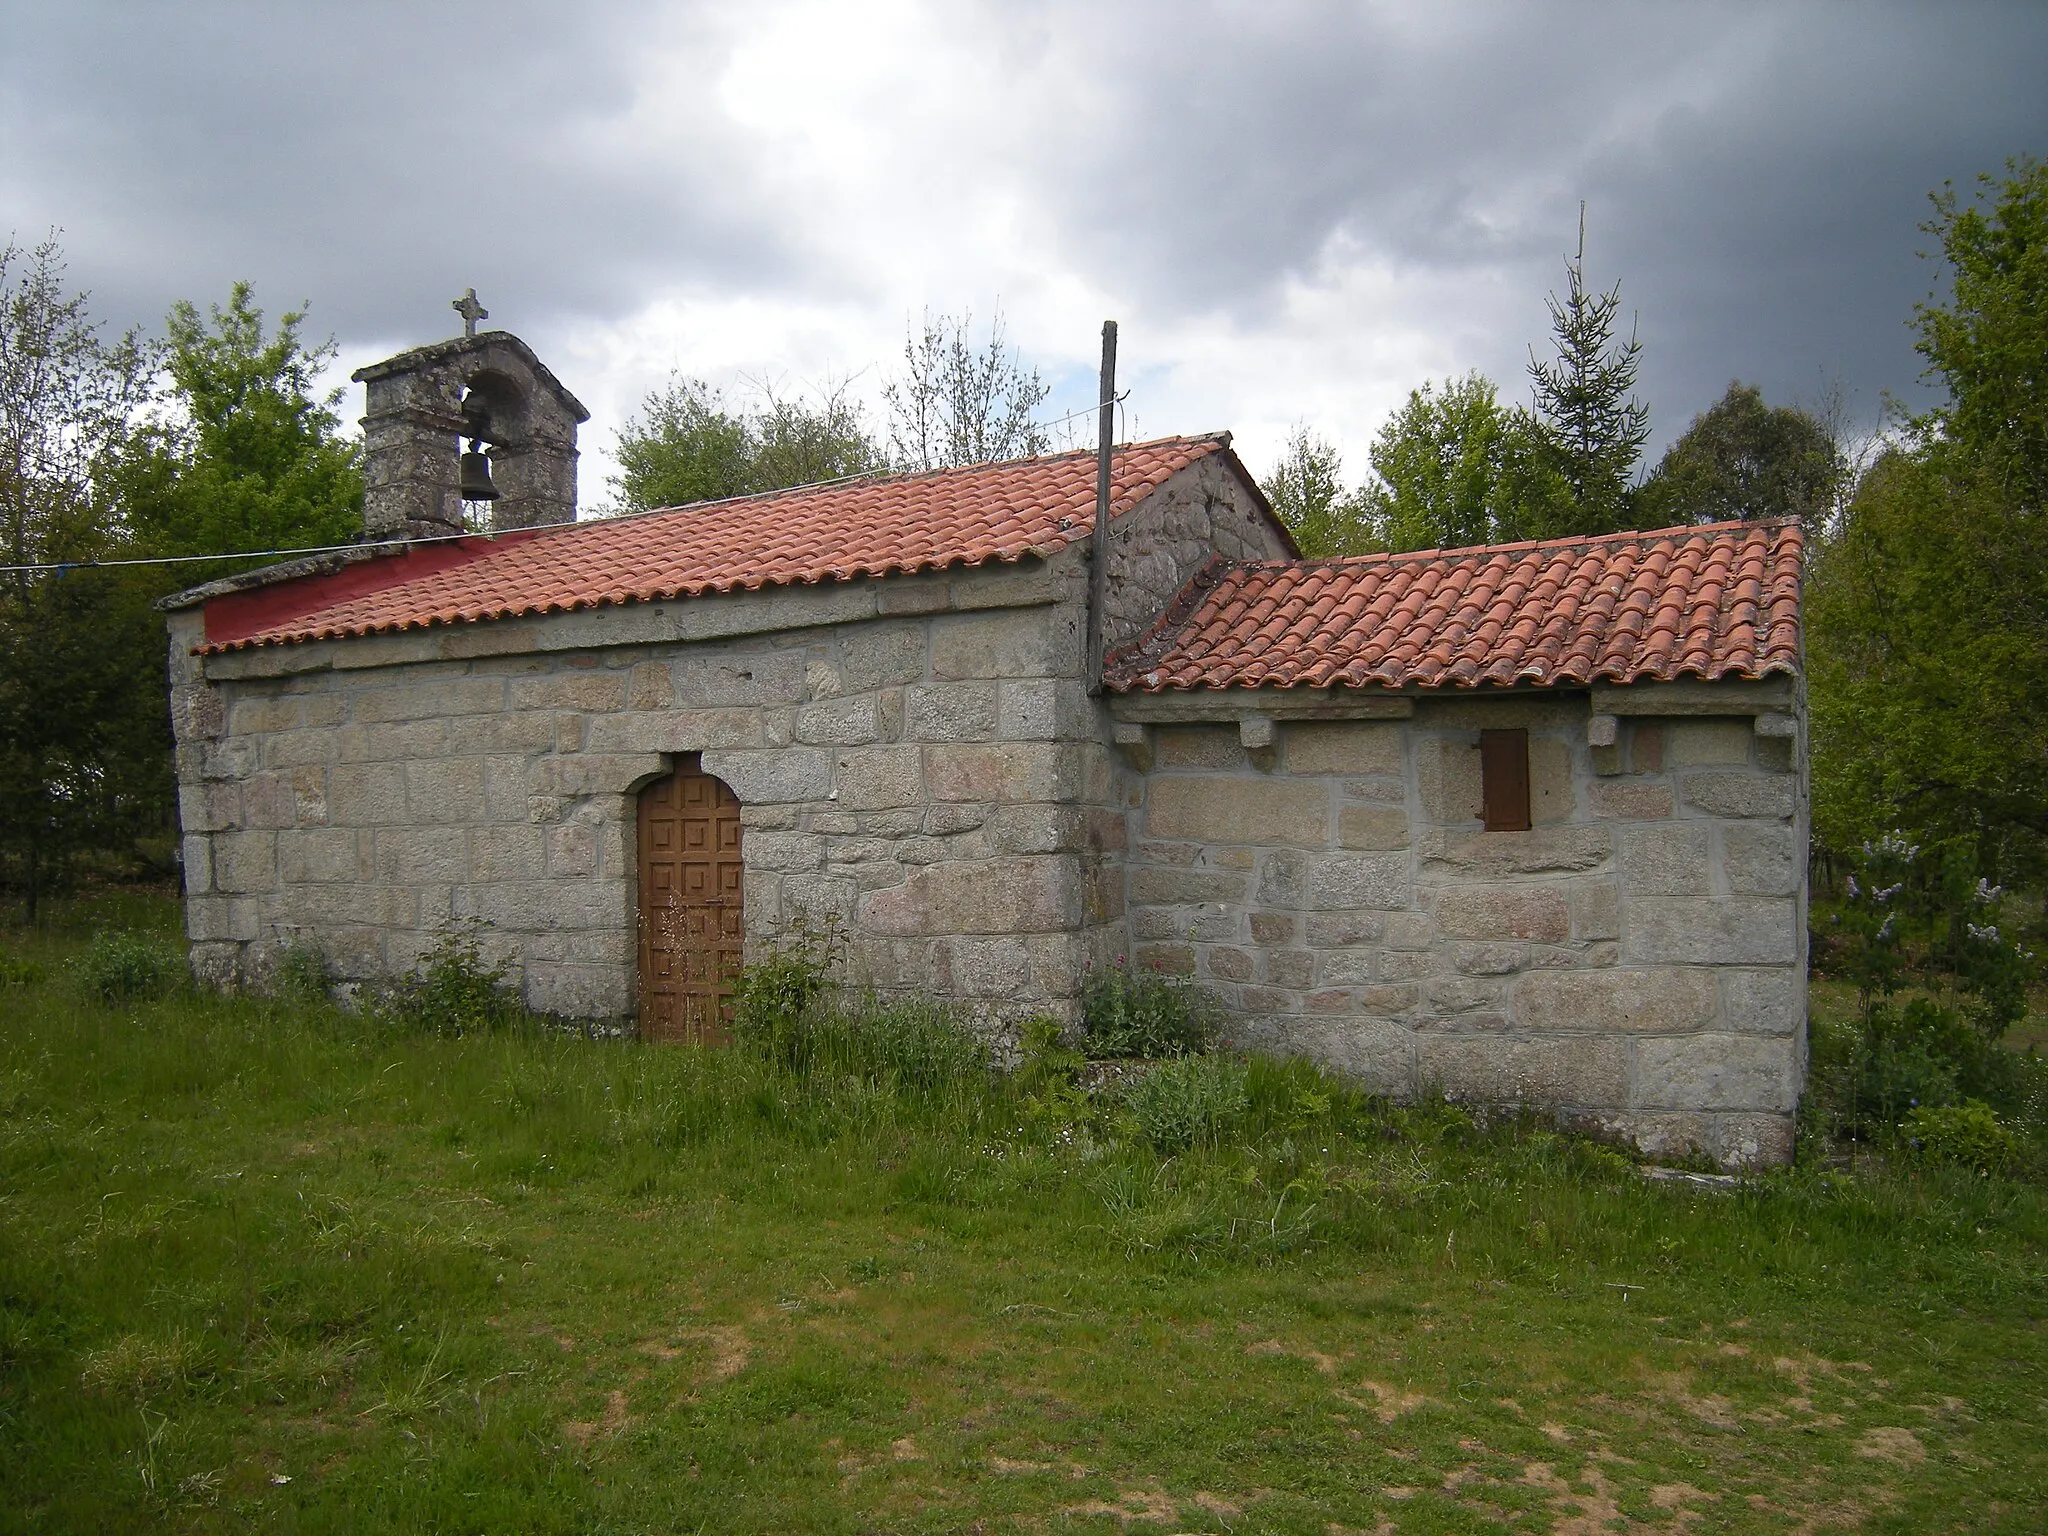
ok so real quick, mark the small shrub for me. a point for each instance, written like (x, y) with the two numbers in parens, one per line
(303, 974)
(453, 991)
(17, 972)
(775, 998)
(127, 968)
(1967, 1135)
(1938, 986)
(1188, 1101)
(789, 1006)
(1146, 1013)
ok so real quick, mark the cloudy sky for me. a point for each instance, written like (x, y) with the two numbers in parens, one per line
(1297, 211)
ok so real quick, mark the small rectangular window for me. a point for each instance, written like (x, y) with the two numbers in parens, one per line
(1504, 780)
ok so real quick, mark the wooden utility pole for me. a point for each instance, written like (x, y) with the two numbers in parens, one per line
(1098, 556)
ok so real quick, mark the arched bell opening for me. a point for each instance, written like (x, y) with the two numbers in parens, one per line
(691, 920)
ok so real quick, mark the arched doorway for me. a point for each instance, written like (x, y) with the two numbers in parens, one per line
(692, 925)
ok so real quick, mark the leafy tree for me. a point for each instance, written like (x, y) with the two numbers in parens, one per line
(1437, 463)
(961, 402)
(1584, 397)
(1928, 669)
(1744, 459)
(800, 442)
(1928, 612)
(686, 446)
(1989, 343)
(84, 742)
(66, 399)
(1306, 489)
(683, 447)
(249, 456)
(1452, 469)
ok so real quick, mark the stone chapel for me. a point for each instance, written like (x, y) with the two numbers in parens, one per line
(1520, 824)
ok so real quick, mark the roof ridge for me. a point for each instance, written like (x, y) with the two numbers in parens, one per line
(1560, 542)
(1222, 439)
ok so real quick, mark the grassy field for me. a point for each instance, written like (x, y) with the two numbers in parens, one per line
(270, 1267)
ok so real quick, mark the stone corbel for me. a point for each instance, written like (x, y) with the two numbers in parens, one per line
(1603, 735)
(1260, 739)
(1775, 724)
(1134, 742)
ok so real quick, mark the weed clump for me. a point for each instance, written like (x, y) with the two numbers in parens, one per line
(1189, 1101)
(776, 998)
(1131, 1011)
(791, 1008)
(127, 968)
(454, 990)
(304, 974)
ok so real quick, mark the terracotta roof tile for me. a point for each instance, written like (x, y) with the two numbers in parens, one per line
(1710, 602)
(823, 533)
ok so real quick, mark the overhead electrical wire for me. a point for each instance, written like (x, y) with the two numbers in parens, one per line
(59, 567)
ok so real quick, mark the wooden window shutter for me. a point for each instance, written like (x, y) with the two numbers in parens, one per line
(1504, 780)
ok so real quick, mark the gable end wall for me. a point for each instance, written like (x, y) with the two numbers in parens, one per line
(1203, 511)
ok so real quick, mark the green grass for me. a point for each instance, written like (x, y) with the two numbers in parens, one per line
(270, 1267)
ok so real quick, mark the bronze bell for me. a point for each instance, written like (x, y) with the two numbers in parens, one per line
(476, 475)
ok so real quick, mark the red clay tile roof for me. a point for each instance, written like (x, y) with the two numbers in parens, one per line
(1720, 601)
(829, 533)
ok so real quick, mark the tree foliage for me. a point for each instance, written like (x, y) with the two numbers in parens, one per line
(67, 395)
(686, 445)
(800, 441)
(959, 401)
(1453, 468)
(1928, 611)
(1743, 459)
(84, 750)
(1306, 489)
(248, 455)
(1594, 427)
(1437, 463)
(1989, 343)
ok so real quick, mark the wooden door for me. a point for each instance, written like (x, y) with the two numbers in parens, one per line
(692, 926)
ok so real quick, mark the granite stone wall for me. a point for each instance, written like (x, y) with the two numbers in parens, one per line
(1203, 511)
(914, 757)
(1635, 960)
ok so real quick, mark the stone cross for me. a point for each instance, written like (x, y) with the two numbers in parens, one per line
(471, 312)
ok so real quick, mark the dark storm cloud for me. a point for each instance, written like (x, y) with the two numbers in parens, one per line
(368, 155)
(1754, 174)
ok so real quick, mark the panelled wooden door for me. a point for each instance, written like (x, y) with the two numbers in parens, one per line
(692, 926)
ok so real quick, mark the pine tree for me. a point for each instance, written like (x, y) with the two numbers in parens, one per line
(1594, 427)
